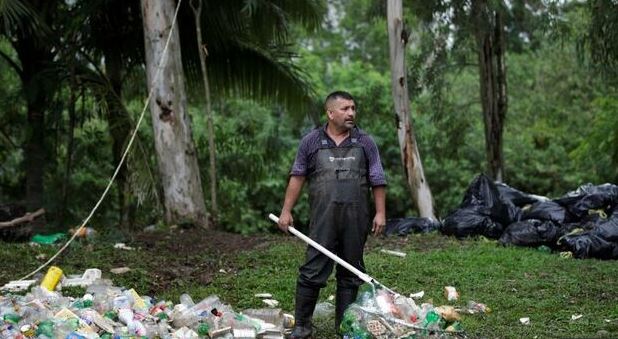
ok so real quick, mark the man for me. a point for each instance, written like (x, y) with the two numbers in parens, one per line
(340, 162)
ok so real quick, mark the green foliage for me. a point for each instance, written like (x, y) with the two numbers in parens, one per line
(598, 154)
(550, 114)
(255, 150)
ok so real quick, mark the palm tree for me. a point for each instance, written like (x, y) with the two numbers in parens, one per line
(26, 25)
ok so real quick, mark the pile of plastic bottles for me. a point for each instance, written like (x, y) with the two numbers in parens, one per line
(107, 311)
(380, 313)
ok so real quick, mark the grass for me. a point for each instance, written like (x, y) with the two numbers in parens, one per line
(513, 282)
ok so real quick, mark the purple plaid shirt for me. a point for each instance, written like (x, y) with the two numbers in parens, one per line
(310, 145)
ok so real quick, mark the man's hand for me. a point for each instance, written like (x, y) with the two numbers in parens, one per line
(285, 220)
(379, 221)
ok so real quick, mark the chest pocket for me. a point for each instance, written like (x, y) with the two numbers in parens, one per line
(340, 175)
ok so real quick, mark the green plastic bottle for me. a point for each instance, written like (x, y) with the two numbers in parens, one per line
(433, 321)
(348, 321)
(46, 328)
(81, 304)
(111, 315)
(73, 323)
(203, 329)
(12, 318)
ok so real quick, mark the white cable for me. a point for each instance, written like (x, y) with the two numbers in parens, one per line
(124, 155)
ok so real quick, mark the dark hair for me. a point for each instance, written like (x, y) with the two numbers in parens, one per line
(337, 95)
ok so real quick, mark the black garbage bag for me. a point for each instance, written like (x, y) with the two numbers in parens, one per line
(483, 195)
(404, 226)
(589, 198)
(590, 245)
(605, 189)
(506, 213)
(465, 222)
(532, 233)
(591, 202)
(514, 196)
(608, 230)
(481, 192)
(547, 211)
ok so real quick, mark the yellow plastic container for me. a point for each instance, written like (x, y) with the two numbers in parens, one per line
(52, 278)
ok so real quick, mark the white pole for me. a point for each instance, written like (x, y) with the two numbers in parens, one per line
(363, 276)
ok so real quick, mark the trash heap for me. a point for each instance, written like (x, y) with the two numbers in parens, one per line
(107, 311)
(380, 313)
(582, 223)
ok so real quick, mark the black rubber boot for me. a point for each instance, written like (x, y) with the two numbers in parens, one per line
(306, 298)
(345, 296)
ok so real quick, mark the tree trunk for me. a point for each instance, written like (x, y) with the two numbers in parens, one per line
(34, 58)
(203, 52)
(492, 76)
(410, 157)
(176, 154)
(70, 146)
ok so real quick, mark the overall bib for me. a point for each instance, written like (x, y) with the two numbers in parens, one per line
(340, 221)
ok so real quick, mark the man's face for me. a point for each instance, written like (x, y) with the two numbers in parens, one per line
(342, 113)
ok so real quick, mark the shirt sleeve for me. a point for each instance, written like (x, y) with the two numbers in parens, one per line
(300, 166)
(376, 171)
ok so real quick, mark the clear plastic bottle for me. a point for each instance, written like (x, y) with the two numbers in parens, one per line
(121, 301)
(62, 329)
(136, 327)
(270, 315)
(183, 316)
(406, 309)
(207, 304)
(163, 330)
(324, 310)
(186, 300)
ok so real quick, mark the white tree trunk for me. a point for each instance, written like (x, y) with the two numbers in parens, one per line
(176, 154)
(421, 194)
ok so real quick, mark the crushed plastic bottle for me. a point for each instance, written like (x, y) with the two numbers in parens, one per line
(110, 312)
(324, 310)
(186, 300)
(474, 307)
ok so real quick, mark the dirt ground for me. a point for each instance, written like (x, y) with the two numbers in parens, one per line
(198, 259)
(211, 251)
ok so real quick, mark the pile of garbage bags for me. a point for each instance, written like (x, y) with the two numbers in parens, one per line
(583, 222)
(107, 311)
(381, 313)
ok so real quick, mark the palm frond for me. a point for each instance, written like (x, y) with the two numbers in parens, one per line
(248, 50)
(269, 20)
(17, 16)
(251, 72)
